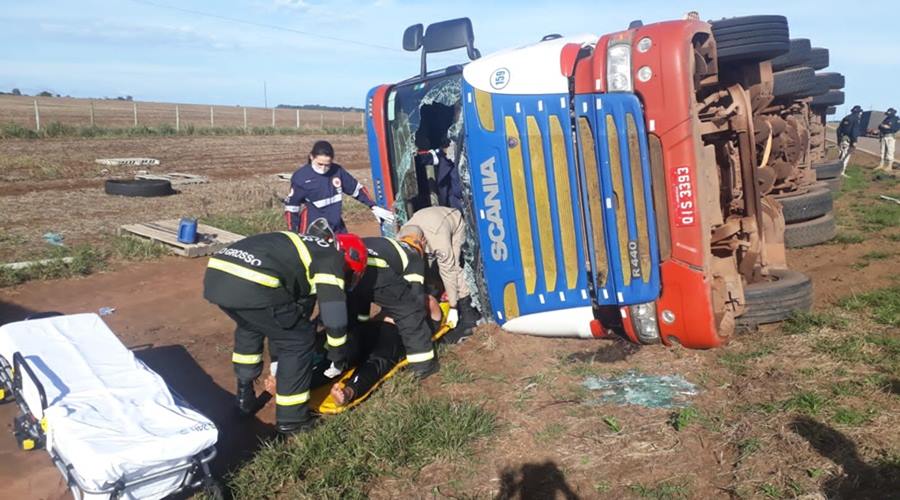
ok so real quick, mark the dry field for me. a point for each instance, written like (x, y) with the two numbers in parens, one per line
(120, 114)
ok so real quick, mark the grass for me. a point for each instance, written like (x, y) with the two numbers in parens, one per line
(875, 218)
(870, 257)
(398, 430)
(262, 221)
(661, 491)
(806, 402)
(56, 129)
(843, 238)
(137, 249)
(613, 424)
(684, 417)
(748, 447)
(736, 361)
(551, 433)
(84, 261)
(852, 417)
(805, 322)
(882, 305)
(454, 372)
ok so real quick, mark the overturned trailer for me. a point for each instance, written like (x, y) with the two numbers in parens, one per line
(612, 183)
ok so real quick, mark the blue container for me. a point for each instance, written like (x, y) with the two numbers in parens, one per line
(187, 231)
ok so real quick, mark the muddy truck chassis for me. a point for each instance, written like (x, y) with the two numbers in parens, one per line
(616, 184)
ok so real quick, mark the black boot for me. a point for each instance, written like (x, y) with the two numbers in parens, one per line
(246, 399)
(468, 319)
(290, 428)
(425, 369)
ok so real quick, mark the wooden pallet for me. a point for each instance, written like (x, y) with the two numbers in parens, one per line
(210, 239)
(175, 178)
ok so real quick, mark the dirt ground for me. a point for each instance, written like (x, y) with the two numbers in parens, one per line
(555, 440)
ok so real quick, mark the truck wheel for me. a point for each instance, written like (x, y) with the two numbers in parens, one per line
(805, 206)
(828, 169)
(832, 98)
(751, 38)
(818, 58)
(834, 184)
(139, 187)
(795, 81)
(830, 110)
(835, 81)
(775, 299)
(800, 48)
(811, 232)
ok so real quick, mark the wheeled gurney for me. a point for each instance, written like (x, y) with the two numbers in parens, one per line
(110, 424)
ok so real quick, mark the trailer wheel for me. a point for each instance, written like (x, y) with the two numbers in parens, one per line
(139, 187)
(832, 98)
(811, 232)
(830, 110)
(805, 206)
(795, 81)
(828, 169)
(751, 38)
(775, 299)
(818, 58)
(800, 48)
(835, 81)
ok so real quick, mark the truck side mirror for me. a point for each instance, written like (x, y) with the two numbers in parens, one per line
(413, 37)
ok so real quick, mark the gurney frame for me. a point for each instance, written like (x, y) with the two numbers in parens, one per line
(30, 432)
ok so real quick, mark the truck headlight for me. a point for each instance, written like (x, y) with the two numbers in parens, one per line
(643, 319)
(618, 67)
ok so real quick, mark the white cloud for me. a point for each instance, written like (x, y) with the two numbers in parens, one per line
(293, 4)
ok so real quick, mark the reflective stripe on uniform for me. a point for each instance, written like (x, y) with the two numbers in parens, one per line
(328, 279)
(421, 357)
(246, 359)
(376, 262)
(415, 278)
(291, 399)
(403, 257)
(327, 201)
(294, 209)
(356, 191)
(362, 317)
(244, 273)
(304, 255)
(337, 342)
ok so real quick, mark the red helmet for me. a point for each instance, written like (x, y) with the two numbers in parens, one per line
(355, 255)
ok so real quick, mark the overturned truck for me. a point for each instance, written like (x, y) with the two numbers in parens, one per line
(613, 184)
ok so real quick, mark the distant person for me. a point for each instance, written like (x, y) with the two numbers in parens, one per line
(886, 131)
(320, 185)
(447, 183)
(847, 135)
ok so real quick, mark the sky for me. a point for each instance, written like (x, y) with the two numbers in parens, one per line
(332, 52)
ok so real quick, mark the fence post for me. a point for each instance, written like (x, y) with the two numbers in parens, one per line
(37, 117)
(92, 114)
(245, 119)
(177, 119)
(273, 117)
(212, 120)
(362, 121)
(322, 121)
(135, 114)
(343, 120)
(298, 118)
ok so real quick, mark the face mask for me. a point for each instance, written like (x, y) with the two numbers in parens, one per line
(320, 169)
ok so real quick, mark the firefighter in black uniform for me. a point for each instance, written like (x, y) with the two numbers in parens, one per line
(268, 284)
(395, 280)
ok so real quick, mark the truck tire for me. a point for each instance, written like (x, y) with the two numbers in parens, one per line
(794, 81)
(832, 98)
(811, 232)
(818, 58)
(835, 184)
(798, 54)
(777, 298)
(828, 169)
(751, 38)
(835, 81)
(805, 206)
(138, 187)
(830, 110)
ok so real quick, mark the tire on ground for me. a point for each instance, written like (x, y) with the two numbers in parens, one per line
(138, 187)
(751, 38)
(811, 232)
(800, 48)
(776, 299)
(805, 206)
(794, 81)
(828, 169)
(832, 98)
(818, 58)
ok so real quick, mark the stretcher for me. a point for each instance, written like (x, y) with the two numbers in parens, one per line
(110, 424)
(320, 399)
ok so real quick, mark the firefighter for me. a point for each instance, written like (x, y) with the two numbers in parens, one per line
(268, 284)
(444, 231)
(847, 135)
(395, 280)
(886, 130)
(320, 186)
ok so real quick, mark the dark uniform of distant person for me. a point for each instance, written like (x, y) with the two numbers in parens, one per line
(320, 185)
(395, 280)
(886, 131)
(443, 230)
(268, 284)
(847, 135)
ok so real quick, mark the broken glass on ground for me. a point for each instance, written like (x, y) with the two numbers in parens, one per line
(636, 388)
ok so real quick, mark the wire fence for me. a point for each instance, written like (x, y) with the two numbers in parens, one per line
(36, 113)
